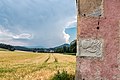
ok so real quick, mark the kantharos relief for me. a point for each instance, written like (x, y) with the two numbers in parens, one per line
(90, 47)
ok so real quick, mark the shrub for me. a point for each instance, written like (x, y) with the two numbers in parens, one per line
(63, 76)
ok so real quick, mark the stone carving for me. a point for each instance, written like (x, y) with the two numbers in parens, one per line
(90, 47)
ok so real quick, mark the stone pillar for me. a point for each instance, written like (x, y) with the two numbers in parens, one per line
(98, 48)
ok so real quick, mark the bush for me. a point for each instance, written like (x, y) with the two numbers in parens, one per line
(63, 76)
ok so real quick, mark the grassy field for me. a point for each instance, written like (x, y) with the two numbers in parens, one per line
(1, 49)
(33, 66)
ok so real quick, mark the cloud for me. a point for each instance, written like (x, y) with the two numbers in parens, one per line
(4, 33)
(66, 37)
(22, 36)
(8, 37)
(70, 24)
(37, 22)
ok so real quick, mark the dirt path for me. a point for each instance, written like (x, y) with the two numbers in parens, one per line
(51, 58)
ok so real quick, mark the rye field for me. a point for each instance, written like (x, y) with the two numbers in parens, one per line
(34, 66)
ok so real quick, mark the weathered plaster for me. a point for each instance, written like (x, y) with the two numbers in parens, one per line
(91, 8)
(106, 27)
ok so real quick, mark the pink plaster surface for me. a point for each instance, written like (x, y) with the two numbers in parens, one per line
(108, 66)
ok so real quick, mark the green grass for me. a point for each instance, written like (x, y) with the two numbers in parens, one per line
(74, 54)
(6, 70)
(1, 49)
(32, 66)
(63, 76)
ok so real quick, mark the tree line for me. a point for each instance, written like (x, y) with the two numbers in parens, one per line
(65, 48)
(8, 47)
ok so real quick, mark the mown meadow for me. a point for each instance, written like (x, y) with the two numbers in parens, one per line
(20, 65)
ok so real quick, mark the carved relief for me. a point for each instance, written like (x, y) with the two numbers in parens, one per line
(90, 47)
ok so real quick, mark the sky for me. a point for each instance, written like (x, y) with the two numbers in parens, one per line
(45, 23)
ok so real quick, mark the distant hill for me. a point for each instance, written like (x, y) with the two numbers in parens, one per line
(63, 45)
(34, 46)
(22, 48)
(65, 48)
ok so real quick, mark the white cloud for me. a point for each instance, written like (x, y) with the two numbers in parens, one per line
(72, 22)
(66, 37)
(22, 36)
(9, 38)
(12, 42)
(6, 33)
